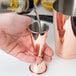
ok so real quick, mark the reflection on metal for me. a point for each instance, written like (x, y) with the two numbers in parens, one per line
(65, 28)
(60, 26)
(38, 41)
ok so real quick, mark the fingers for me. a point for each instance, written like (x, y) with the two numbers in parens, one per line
(48, 51)
(26, 58)
(17, 49)
(25, 54)
(47, 58)
(29, 57)
(38, 60)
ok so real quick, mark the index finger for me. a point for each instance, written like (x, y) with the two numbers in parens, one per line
(48, 51)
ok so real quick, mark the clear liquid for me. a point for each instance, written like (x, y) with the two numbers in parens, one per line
(38, 18)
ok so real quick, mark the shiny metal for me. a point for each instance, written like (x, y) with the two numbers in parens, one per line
(21, 6)
(65, 28)
(38, 41)
(67, 7)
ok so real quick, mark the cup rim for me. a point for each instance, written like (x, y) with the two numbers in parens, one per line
(38, 31)
(63, 11)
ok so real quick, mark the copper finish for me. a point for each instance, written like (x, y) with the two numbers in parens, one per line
(65, 29)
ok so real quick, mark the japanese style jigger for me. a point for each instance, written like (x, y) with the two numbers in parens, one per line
(38, 40)
(65, 28)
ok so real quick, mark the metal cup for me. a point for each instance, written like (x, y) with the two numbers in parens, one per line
(65, 28)
(38, 41)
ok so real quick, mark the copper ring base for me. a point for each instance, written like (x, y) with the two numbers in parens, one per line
(38, 73)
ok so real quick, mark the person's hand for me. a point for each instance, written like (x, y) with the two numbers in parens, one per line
(15, 38)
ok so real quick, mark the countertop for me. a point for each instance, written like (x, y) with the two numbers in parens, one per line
(10, 66)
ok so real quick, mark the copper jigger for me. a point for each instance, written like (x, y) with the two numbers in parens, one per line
(65, 28)
(38, 41)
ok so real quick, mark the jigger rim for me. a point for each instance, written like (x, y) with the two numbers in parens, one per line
(36, 30)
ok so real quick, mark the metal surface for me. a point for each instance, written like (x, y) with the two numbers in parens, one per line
(67, 7)
(38, 41)
(65, 28)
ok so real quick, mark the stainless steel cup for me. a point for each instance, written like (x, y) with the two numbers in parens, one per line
(65, 28)
(38, 42)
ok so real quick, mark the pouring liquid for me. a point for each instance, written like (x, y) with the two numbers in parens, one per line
(38, 18)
